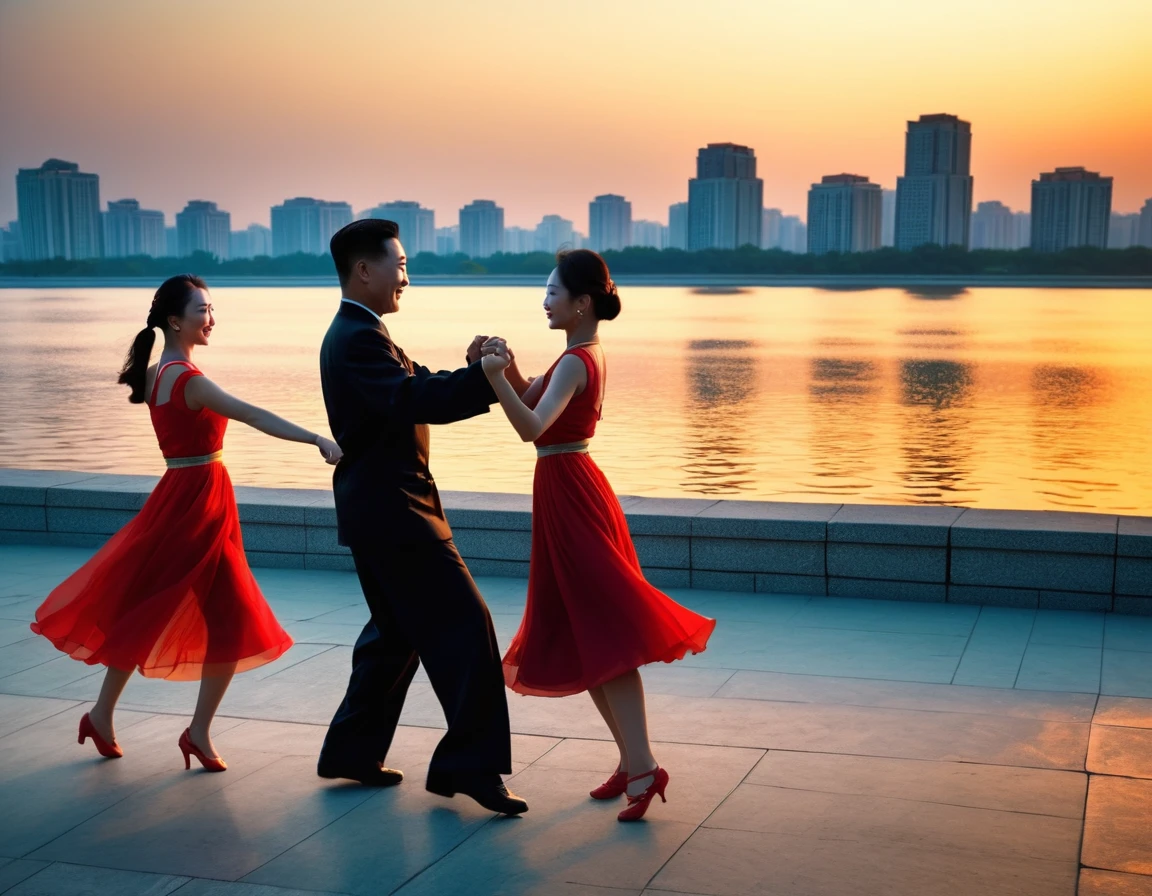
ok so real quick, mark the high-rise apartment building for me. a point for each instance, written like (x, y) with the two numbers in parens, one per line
(652, 234)
(10, 248)
(171, 242)
(1123, 230)
(130, 230)
(678, 226)
(1023, 221)
(58, 207)
(481, 229)
(417, 225)
(793, 235)
(519, 240)
(554, 233)
(202, 227)
(993, 227)
(770, 228)
(725, 199)
(888, 218)
(306, 225)
(252, 242)
(447, 240)
(609, 222)
(934, 197)
(1070, 207)
(844, 214)
(1144, 231)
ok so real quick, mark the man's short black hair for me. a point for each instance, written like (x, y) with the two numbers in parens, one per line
(358, 241)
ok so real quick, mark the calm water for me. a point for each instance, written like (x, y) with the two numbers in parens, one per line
(1024, 398)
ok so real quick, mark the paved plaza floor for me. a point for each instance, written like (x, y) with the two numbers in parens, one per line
(819, 746)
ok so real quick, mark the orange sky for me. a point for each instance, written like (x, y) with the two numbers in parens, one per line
(542, 105)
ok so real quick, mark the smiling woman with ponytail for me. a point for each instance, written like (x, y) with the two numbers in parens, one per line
(171, 594)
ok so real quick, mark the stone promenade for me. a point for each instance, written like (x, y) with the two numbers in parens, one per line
(821, 745)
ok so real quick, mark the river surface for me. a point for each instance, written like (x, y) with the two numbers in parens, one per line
(1028, 398)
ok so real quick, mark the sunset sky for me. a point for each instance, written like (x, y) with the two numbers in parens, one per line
(542, 105)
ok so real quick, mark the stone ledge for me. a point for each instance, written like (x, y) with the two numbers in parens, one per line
(893, 525)
(1055, 531)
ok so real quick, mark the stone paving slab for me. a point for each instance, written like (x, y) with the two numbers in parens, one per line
(1118, 825)
(1094, 882)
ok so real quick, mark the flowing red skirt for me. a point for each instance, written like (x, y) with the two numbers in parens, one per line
(591, 615)
(171, 593)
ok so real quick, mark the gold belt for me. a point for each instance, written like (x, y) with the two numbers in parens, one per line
(177, 463)
(566, 448)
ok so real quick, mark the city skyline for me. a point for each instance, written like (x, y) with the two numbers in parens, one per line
(441, 117)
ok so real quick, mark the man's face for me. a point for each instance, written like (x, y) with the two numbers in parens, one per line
(389, 276)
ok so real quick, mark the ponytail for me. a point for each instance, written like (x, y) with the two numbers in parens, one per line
(135, 370)
(170, 301)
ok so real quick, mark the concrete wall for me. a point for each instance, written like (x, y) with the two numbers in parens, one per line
(1007, 558)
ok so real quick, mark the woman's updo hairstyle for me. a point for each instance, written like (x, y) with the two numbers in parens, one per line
(170, 300)
(583, 272)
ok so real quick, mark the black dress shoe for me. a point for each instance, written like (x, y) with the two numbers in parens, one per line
(488, 790)
(370, 775)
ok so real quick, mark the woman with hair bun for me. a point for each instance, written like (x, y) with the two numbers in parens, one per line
(171, 594)
(591, 619)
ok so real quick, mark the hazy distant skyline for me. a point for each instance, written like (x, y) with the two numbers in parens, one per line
(542, 107)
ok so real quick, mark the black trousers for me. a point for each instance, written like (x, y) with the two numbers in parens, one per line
(425, 609)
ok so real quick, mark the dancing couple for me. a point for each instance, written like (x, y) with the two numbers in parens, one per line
(591, 618)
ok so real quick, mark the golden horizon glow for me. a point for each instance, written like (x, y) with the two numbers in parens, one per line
(542, 107)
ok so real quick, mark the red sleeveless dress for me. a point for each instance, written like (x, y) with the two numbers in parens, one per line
(591, 615)
(171, 594)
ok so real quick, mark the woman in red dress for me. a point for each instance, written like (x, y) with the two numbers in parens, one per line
(591, 619)
(171, 594)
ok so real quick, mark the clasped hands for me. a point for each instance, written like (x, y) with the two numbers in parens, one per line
(492, 351)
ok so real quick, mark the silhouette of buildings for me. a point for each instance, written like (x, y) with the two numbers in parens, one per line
(519, 240)
(888, 218)
(171, 242)
(934, 197)
(678, 226)
(252, 242)
(447, 240)
(1070, 207)
(995, 226)
(130, 230)
(1123, 230)
(306, 225)
(652, 234)
(725, 199)
(58, 207)
(770, 228)
(844, 214)
(481, 229)
(609, 222)
(1023, 222)
(785, 232)
(202, 227)
(1144, 231)
(417, 225)
(554, 233)
(10, 249)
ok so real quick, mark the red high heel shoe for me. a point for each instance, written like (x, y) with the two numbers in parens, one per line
(107, 750)
(638, 805)
(613, 787)
(210, 763)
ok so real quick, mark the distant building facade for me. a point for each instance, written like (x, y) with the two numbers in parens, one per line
(171, 242)
(993, 227)
(252, 242)
(519, 240)
(417, 224)
(202, 227)
(1070, 207)
(770, 228)
(306, 225)
(554, 233)
(481, 229)
(888, 218)
(1123, 230)
(652, 234)
(1144, 232)
(725, 199)
(934, 197)
(609, 222)
(58, 207)
(10, 248)
(845, 212)
(130, 230)
(678, 226)
(793, 235)
(447, 240)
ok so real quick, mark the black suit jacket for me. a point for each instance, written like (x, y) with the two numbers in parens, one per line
(379, 406)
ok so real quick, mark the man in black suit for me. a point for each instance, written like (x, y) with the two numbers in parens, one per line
(425, 606)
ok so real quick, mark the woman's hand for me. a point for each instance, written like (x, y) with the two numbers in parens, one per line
(495, 363)
(329, 450)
